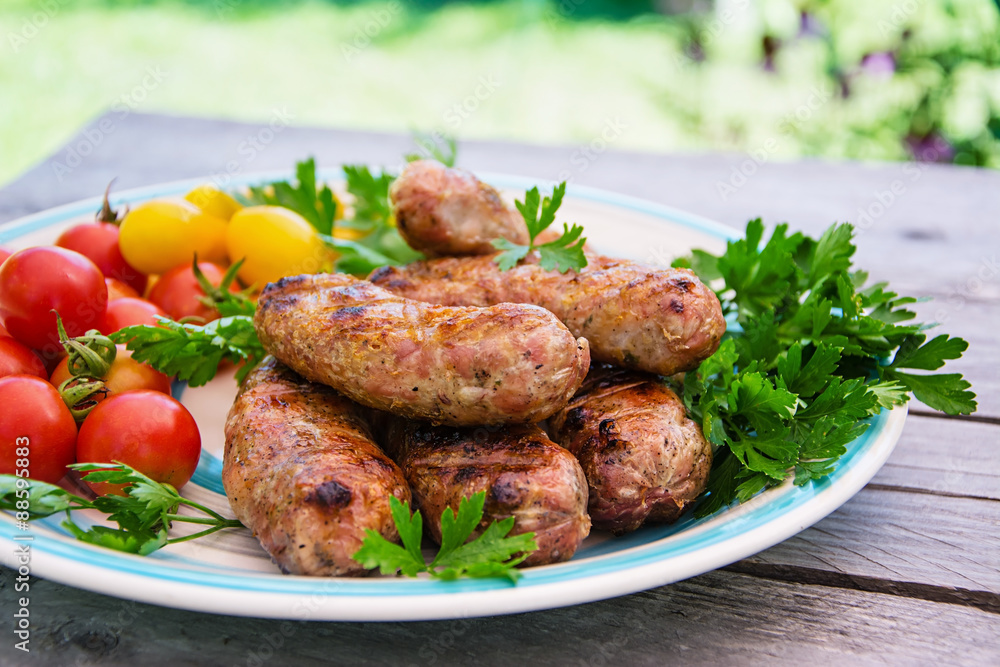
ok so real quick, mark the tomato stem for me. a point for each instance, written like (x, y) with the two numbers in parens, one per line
(80, 395)
(90, 355)
(108, 214)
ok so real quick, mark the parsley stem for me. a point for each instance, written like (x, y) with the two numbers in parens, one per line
(204, 509)
(223, 523)
(202, 533)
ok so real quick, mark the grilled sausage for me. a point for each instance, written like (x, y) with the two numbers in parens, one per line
(524, 474)
(658, 320)
(302, 472)
(459, 366)
(643, 458)
(442, 211)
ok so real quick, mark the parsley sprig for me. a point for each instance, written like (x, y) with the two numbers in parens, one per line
(191, 352)
(819, 351)
(491, 554)
(435, 146)
(144, 516)
(376, 240)
(562, 254)
(371, 195)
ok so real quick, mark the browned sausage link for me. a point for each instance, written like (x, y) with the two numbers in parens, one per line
(302, 471)
(442, 211)
(460, 366)
(524, 474)
(643, 458)
(660, 321)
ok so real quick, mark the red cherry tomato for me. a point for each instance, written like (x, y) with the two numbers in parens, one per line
(126, 312)
(119, 290)
(4, 254)
(3, 332)
(35, 281)
(98, 241)
(37, 432)
(148, 430)
(16, 359)
(126, 374)
(178, 293)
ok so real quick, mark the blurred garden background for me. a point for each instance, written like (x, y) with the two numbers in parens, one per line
(838, 79)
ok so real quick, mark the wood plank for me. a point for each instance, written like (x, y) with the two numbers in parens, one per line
(904, 537)
(718, 618)
(176, 148)
(927, 520)
(945, 456)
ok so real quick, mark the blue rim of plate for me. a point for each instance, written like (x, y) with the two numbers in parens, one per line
(767, 516)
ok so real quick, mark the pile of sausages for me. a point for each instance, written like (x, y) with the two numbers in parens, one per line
(447, 377)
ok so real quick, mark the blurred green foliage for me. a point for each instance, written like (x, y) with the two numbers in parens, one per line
(858, 79)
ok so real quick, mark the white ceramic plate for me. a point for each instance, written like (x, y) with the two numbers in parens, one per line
(228, 573)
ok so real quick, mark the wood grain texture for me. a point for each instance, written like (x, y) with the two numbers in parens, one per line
(900, 536)
(945, 457)
(721, 618)
(928, 519)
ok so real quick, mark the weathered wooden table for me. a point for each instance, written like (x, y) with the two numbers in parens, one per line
(908, 572)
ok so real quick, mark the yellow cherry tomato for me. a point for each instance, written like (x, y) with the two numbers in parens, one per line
(158, 235)
(213, 201)
(274, 242)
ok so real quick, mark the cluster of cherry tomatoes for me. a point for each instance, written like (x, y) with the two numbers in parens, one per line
(100, 277)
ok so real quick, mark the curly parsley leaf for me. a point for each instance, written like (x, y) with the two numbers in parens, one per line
(492, 554)
(794, 384)
(369, 239)
(193, 353)
(914, 353)
(565, 252)
(434, 146)
(39, 499)
(143, 515)
(562, 254)
(376, 551)
(318, 205)
(948, 392)
(511, 255)
(371, 195)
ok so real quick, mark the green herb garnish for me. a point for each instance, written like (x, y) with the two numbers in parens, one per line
(436, 146)
(221, 298)
(562, 254)
(315, 204)
(193, 353)
(143, 516)
(371, 195)
(819, 353)
(378, 243)
(492, 554)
